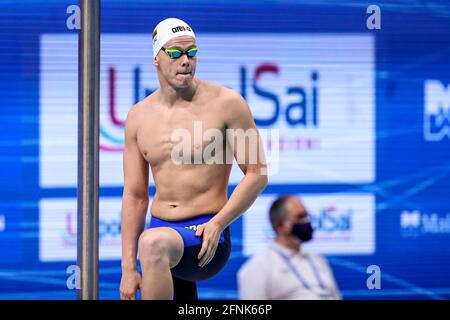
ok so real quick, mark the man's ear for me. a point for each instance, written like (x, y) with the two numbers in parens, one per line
(156, 61)
(281, 227)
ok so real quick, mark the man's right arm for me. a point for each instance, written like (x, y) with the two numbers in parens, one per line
(135, 197)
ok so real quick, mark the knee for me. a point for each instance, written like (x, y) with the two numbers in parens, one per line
(151, 247)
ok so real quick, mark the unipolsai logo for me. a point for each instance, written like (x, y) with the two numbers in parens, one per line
(415, 223)
(111, 124)
(332, 223)
(69, 234)
(109, 231)
(301, 112)
(436, 111)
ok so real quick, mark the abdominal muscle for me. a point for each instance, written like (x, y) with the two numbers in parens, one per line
(188, 191)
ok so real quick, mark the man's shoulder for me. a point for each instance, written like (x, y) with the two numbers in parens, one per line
(228, 103)
(224, 94)
(142, 105)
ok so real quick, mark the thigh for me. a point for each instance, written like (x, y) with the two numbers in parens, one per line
(188, 269)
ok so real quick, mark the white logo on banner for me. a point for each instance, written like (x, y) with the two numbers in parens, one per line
(2, 223)
(58, 229)
(415, 223)
(437, 111)
(343, 224)
(322, 102)
(410, 219)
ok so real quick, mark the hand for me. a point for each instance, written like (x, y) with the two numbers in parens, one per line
(129, 284)
(211, 235)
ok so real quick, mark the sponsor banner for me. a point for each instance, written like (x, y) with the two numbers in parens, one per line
(58, 229)
(321, 104)
(344, 224)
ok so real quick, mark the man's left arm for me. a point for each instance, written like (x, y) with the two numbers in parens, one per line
(245, 142)
(246, 145)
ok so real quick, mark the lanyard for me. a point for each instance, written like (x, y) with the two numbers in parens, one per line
(297, 273)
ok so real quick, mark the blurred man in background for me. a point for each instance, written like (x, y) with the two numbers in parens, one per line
(283, 271)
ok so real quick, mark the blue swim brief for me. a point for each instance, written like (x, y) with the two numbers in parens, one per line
(187, 268)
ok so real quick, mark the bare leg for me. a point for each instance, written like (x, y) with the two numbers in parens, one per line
(160, 249)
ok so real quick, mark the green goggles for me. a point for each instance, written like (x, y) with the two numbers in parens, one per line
(175, 53)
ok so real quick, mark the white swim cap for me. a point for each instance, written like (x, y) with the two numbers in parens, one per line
(168, 29)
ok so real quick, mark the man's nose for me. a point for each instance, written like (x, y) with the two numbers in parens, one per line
(184, 60)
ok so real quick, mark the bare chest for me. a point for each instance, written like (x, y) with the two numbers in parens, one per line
(179, 135)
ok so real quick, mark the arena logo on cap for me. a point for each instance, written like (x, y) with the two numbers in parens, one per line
(180, 28)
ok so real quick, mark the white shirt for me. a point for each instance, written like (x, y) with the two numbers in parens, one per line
(268, 276)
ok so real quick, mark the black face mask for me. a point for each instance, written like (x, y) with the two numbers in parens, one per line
(303, 231)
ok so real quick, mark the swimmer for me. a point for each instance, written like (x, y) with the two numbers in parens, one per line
(188, 239)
